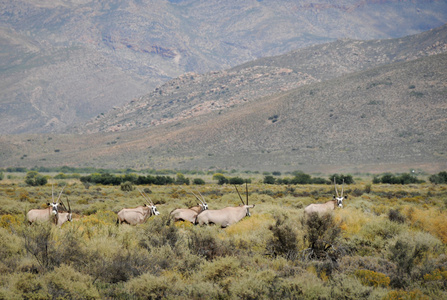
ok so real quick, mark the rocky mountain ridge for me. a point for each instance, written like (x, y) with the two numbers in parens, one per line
(191, 95)
(65, 62)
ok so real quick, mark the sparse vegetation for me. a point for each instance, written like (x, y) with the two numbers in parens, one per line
(379, 245)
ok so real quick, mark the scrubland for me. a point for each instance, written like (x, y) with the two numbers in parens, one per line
(388, 242)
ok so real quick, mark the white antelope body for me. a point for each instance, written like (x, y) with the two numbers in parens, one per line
(63, 217)
(329, 206)
(226, 216)
(42, 215)
(46, 214)
(189, 214)
(138, 215)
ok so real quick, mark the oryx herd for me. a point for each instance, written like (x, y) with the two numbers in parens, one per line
(199, 214)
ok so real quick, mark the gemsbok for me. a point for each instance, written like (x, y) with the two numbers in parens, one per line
(138, 215)
(63, 217)
(322, 208)
(45, 214)
(189, 214)
(226, 216)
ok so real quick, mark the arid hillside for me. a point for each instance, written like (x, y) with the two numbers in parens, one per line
(388, 118)
(65, 62)
(192, 95)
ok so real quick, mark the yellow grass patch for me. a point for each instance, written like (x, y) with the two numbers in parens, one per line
(352, 220)
(431, 220)
(247, 225)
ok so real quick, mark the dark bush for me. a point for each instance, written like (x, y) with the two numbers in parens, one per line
(405, 178)
(236, 180)
(340, 179)
(301, 178)
(160, 232)
(439, 178)
(269, 179)
(404, 255)
(394, 215)
(127, 186)
(199, 181)
(284, 240)
(33, 178)
(39, 243)
(321, 236)
(205, 245)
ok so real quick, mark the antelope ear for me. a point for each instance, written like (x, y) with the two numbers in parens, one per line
(48, 204)
(333, 197)
(346, 197)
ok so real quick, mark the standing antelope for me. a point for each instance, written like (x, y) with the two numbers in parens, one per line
(189, 214)
(138, 215)
(337, 201)
(63, 217)
(225, 216)
(45, 214)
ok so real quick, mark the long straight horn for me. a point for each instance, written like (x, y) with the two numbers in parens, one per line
(52, 192)
(63, 205)
(151, 203)
(197, 198)
(239, 195)
(69, 208)
(335, 185)
(203, 198)
(194, 196)
(246, 191)
(145, 197)
(342, 187)
(60, 194)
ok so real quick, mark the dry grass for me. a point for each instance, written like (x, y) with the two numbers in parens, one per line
(157, 258)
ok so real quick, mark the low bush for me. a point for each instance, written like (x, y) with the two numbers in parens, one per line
(321, 236)
(284, 241)
(371, 278)
(394, 215)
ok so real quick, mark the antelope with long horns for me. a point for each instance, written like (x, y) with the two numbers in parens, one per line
(189, 214)
(138, 215)
(337, 201)
(45, 214)
(63, 217)
(226, 216)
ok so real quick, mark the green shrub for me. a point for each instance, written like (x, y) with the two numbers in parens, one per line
(40, 244)
(406, 295)
(199, 181)
(269, 179)
(65, 282)
(371, 278)
(340, 179)
(439, 178)
(394, 215)
(33, 178)
(405, 256)
(321, 235)
(405, 178)
(30, 286)
(149, 286)
(127, 186)
(284, 241)
(221, 270)
(205, 244)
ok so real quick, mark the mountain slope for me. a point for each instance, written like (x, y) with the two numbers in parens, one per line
(193, 95)
(89, 56)
(391, 117)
